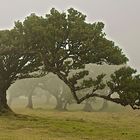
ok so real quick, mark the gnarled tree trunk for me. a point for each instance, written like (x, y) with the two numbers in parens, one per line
(88, 107)
(104, 106)
(4, 108)
(30, 102)
(61, 105)
(65, 106)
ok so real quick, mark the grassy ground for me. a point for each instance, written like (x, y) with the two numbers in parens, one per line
(44, 124)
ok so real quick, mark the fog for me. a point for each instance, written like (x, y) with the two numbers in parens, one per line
(49, 92)
(69, 91)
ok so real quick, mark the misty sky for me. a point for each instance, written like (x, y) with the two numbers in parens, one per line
(121, 18)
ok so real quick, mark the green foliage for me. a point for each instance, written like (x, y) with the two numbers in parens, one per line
(15, 63)
(65, 37)
(126, 84)
(64, 43)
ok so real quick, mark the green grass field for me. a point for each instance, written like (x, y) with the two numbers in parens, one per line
(41, 124)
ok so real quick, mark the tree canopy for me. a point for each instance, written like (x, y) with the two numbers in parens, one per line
(62, 43)
(67, 42)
